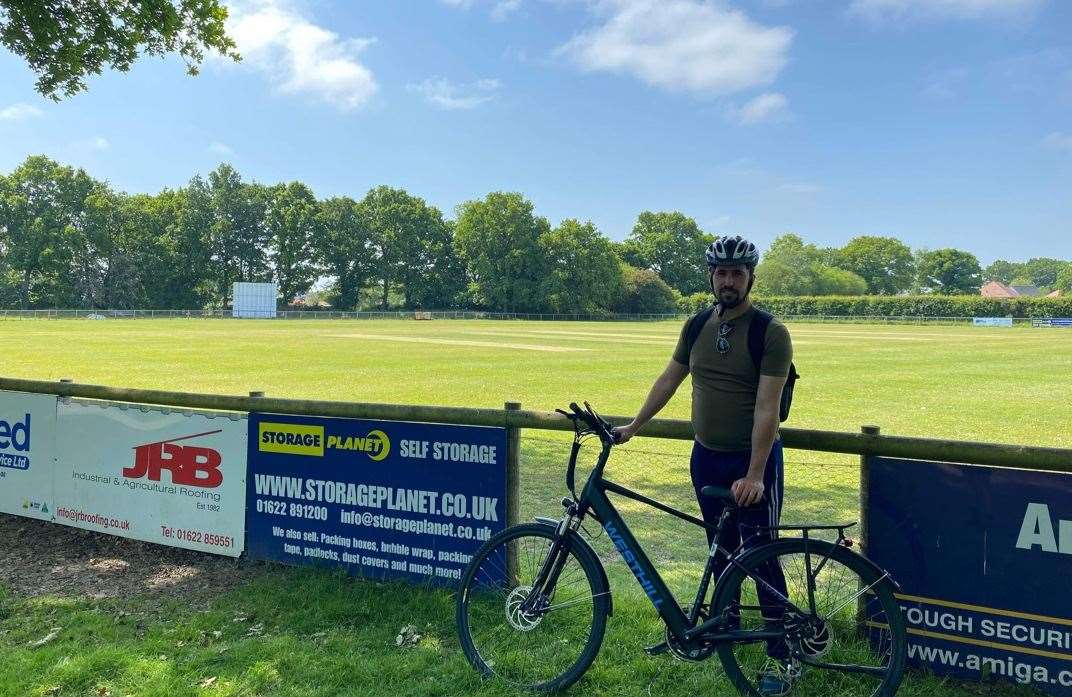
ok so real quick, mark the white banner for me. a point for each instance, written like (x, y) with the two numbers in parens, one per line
(27, 453)
(174, 478)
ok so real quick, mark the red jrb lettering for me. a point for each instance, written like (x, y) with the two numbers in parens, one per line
(189, 465)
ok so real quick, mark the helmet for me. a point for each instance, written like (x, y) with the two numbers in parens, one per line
(728, 251)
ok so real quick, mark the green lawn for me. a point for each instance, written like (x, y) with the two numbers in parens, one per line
(324, 634)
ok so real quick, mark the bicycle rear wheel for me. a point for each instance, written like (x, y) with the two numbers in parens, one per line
(534, 640)
(848, 638)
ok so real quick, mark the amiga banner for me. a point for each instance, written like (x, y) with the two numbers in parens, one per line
(176, 478)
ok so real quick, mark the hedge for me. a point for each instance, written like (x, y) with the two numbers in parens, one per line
(900, 305)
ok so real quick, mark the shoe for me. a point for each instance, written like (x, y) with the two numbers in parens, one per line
(778, 676)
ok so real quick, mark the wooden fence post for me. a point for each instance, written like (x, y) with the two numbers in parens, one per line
(513, 484)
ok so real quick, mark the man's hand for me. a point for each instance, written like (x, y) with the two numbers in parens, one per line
(624, 433)
(747, 491)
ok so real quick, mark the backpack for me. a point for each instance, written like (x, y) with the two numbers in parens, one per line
(757, 335)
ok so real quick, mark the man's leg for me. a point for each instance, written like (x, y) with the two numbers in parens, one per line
(721, 469)
(768, 514)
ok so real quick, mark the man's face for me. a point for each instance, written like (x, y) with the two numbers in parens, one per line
(730, 284)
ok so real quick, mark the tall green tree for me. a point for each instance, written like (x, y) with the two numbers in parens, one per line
(672, 245)
(949, 272)
(406, 233)
(42, 211)
(885, 263)
(1043, 271)
(498, 238)
(237, 237)
(66, 42)
(292, 223)
(791, 267)
(1003, 271)
(1064, 280)
(344, 249)
(584, 275)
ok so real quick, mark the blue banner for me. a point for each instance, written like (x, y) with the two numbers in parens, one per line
(984, 557)
(386, 499)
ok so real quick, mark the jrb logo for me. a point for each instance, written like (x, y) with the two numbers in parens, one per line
(190, 465)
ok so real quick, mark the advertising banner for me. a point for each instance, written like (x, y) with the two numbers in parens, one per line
(992, 321)
(385, 499)
(984, 557)
(174, 478)
(27, 453)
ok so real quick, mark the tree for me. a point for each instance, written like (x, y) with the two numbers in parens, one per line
(407, 234)
(584, 275)
(291, 221)
(42, 205)
(645, 292)
(949, 272)
(498, 238)
(1043, 272)
(791, 267)
(1064, 280)
(885, 263)
(1003, 271)
(344, 248)
(66, 42)
(672, 245)
(237, 239)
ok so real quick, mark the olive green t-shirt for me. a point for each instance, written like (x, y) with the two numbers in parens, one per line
(724, 386)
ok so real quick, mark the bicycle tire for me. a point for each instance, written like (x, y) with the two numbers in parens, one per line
(873, 630)
(481, 594)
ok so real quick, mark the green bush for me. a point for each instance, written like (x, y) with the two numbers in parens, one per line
(914, 306)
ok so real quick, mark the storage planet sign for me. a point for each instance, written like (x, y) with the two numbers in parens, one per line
(386, 499)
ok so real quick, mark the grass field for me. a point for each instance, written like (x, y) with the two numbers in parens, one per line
(324, 634)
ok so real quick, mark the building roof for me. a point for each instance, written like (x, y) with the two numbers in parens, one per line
(1027, 290)
(1054, 294)
(997, 289)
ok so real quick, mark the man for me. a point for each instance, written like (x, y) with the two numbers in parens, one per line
(735, 409)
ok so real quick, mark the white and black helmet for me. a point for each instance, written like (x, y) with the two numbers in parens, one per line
(729, 251)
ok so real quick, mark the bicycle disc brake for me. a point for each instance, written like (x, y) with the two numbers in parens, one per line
(518, 618)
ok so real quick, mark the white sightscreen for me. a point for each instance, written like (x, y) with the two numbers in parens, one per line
(254, 300)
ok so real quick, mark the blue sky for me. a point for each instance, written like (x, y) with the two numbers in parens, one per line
(941, 122)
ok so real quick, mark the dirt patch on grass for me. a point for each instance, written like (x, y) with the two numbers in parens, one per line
(42, 558)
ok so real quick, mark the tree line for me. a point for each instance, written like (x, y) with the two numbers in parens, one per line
(68, 240)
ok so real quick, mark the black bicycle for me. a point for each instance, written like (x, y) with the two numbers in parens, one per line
(533, 604)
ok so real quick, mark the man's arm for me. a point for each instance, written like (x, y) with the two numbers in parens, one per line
(749, 489)
(664, 388)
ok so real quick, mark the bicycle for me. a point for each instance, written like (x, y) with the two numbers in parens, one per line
(533, 604)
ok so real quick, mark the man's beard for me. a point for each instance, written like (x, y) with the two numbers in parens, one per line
(730, 298)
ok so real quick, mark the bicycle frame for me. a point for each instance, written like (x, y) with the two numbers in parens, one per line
(594, 500)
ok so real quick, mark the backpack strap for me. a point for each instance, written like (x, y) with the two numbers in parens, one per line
(695, 326)
(757, 336)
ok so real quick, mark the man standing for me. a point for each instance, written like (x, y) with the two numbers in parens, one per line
(735, 416)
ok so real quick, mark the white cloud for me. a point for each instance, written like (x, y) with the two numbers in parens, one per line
(1058, 141)
(19, 111)
(883, 10)
(464, 4)
(504, 8)
(699, 46)
(770, 106)
(448, 95)
(218, 148)
(298, 56)
(95, 143)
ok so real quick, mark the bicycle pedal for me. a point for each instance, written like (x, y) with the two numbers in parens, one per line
(657, 649)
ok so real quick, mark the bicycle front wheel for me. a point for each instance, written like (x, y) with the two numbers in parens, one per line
(514, 627)
(845, 637)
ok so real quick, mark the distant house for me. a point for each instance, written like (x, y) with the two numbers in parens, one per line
(997, 289)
